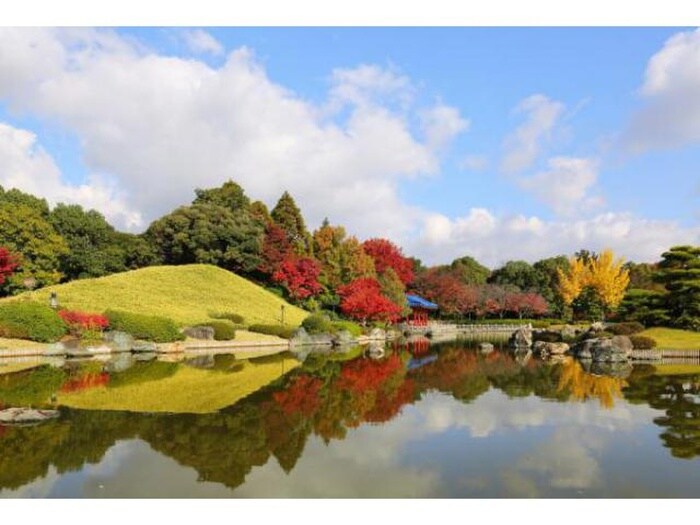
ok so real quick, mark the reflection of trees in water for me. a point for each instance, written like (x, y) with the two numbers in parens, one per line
(324, 397)
(582, 385)
(679, 397)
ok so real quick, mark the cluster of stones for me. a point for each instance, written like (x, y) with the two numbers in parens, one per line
(590, 346)
(113, 342)
(343, 338)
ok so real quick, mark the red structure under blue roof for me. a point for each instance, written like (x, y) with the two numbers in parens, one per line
(419, 310)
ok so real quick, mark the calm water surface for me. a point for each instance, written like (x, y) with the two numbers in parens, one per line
(417, 421)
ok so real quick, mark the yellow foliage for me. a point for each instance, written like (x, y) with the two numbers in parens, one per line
(585, 386)
(605, 274)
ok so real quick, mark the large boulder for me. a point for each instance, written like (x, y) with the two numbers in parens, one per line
(522, 338)
(205, 333)
(544, 348)
(624, 343)
(605, 351)
(343, 338)
(119, 341)
(582, 349)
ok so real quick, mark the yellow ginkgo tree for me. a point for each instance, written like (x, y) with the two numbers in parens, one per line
(605, 274)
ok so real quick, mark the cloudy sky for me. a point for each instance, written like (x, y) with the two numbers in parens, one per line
(498, 143)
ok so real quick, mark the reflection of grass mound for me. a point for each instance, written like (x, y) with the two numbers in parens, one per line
(186, 294)
(187, 390)
(30, 387)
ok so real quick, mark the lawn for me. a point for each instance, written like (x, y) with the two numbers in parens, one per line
(673, 338)
(188, 390)
(186, 294)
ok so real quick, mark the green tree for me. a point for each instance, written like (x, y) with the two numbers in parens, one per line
(520, 274)
(19, 198)
(230, 195)
(393, 288)
(470, 271)
(25, 231)
(548, 278)
(210, 234)
(588, 305)
(679, 271)
(287, 216)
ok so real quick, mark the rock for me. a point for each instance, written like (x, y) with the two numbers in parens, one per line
(620, 369)
(582, 349)
(544, 348)
(624, 343)
(302, 338)
(604, 351)
(377, 333)
(201, 361)
(522, 338)
(393, 334)
(568, 332)
(121, 362)
(119, 341)
(375, 351)
(343, 338)
(485, 348)
(56, 349)
(144, 347)
(26, 415)
(200, 332)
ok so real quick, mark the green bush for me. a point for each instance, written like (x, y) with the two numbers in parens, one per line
(31, 320)
(223, 330)
(230, 316)
(643, 342)
(285, 332)
(548, 337)
(627, 328)
(148, 327)
(317, 323)
(354, 328)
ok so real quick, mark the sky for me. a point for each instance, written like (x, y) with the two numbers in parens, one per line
(499, 143)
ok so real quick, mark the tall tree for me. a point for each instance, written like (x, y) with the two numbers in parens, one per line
(299, 275)
(470, 270)
(287, 216)
(680, 273)
(26, 232)
(393, 289)
(387, 255)
(342, 258)
(362, 300)
(17, 197)
(519, 274)
(275, 249)
(230, 195)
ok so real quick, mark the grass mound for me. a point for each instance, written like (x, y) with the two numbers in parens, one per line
(673, 338)
(186, 294)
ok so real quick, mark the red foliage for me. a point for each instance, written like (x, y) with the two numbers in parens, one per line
(526, 304)
(276, 248)
(362, 299)
(387, 255)
(80, 321)
(3, 430)
(447, 290)
(84, 382)
(300, 397)
(299, 276)
(387, 406)
(362, 375)
(8, 264)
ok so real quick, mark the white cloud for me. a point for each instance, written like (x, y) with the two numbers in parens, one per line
(522, 147)
(493, 239)
(27, 166)
(160, 126)
(441, 124)
(671, 91)
(199, 41)
(565, 185)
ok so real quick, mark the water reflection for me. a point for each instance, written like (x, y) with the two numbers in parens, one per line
(246, 424)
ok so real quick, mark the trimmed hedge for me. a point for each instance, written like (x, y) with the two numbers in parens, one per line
(643, 342)
(148, 327)
(317, 324)
(223, 330)
(354, 328)
(230, 316)
(627, 328)
(31, 320)
(285, 332)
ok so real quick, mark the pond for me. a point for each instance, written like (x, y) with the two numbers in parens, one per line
(408, 420)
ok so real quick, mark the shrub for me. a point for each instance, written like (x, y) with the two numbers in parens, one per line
(285, 332)
(223, 330)
(148, 327)
(317, 323)
(548, 337)
(234, 318)
(354, 328)
(643, 342)
(627, 328)
(31, 320)
(81, 322)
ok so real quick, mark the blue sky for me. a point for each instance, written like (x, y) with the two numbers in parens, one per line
(497, 142)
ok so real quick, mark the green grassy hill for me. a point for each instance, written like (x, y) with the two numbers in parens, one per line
(186, 294)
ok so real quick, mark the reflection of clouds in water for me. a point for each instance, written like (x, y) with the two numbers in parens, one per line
(566, 460)
(39, 488)
(495, 412)
(368, 463)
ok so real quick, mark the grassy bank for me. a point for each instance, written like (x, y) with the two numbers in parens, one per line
(186, 294)
(672, 338)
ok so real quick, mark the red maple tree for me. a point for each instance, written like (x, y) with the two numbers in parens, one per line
(299, 275)
(387, 255)
(276, 248)
(8, 264)
(362, 299)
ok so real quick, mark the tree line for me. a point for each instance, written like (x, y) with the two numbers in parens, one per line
(331, 270)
